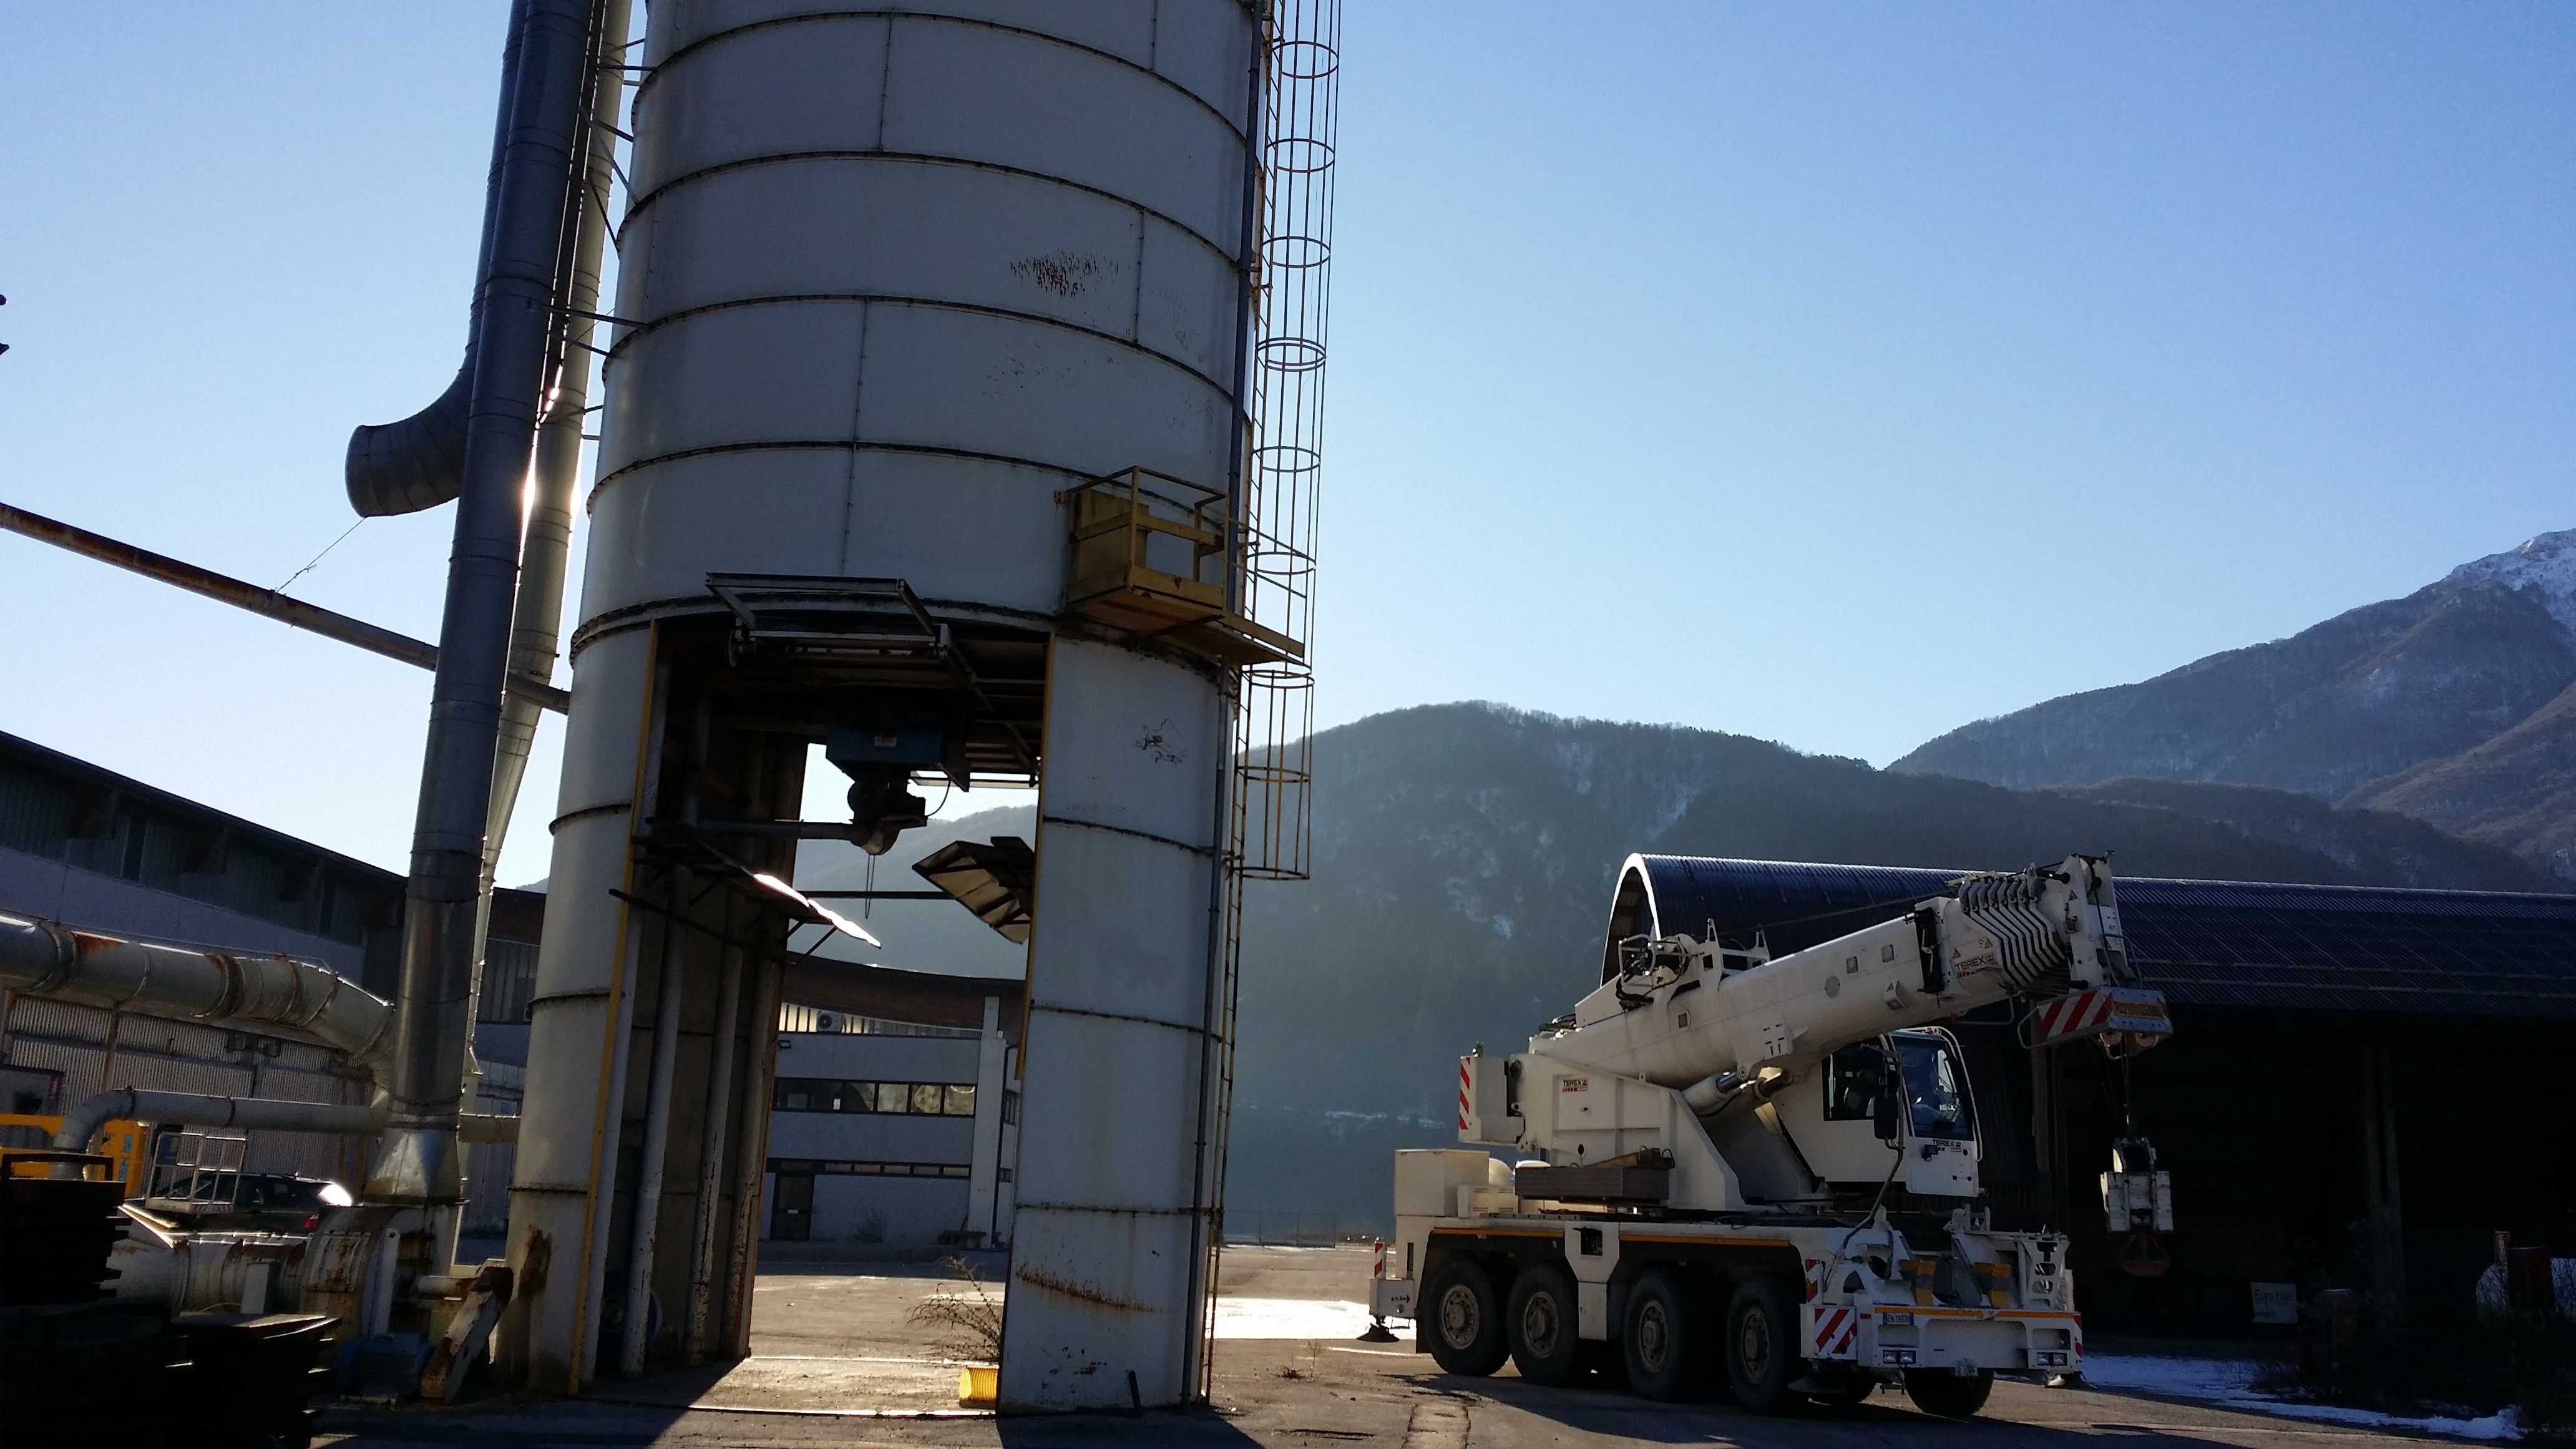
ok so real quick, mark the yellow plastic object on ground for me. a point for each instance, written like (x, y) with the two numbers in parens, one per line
(127, 1142)
(975, 1385)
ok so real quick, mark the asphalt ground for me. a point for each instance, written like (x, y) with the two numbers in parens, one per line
(835, 1361)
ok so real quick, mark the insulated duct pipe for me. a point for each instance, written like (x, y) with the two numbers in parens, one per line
(419, 462)
(192, 1109)
(536, 623)
(513, 327)
(46, 958)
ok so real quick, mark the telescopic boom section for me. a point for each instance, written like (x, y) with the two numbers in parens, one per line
(1688, 1014)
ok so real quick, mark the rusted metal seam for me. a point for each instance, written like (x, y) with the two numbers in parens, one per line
(807, 445)
(1204, 851)
(590, 995)
(585, 812)
(1117, 1016)
(1079, 1292)
(1115, 1212)
(900, 299)
(889, 13)
(918, 158)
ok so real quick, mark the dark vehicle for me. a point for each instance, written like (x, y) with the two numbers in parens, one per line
(266, 1202)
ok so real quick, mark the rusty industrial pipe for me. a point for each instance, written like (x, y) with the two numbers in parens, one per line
(268, 603)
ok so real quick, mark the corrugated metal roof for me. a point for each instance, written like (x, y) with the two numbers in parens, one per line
(2206, 942)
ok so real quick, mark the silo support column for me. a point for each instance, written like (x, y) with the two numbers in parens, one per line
(580, 1019)
(1101, 1311)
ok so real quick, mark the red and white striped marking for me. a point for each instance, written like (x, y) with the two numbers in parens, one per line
(2100, 1009)
(1377, 1269)
(1815, 1278)
(1464, 1082)
(1837, 1330)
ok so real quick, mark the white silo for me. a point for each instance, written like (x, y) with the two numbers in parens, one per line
(925, 438)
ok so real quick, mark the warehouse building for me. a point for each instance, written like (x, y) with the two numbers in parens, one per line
(102, 852)
(2363, 1087)
(919, 1158)
(890, 1133)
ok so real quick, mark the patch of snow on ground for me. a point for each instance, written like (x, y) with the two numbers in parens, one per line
(2187, 1378)
(1289, 1318)
(2230, 1383)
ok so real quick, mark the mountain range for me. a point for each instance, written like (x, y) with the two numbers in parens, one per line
(1464, 853)
(2455, 705)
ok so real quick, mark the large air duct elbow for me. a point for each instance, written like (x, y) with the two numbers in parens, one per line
(417, 463)
(46, 958)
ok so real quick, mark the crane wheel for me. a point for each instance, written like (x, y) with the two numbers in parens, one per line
(1464, 1319)
(1539, 1323)
(1945, 1395)
(1760, 1343)
(1664, 1340)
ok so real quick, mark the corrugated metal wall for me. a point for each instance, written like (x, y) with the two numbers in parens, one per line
(95, 1050)
(57, 808)
(488, 1164)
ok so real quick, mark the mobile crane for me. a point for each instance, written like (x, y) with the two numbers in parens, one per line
(1761, 1174)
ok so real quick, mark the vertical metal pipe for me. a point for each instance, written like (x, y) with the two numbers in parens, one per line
(418, 1162)
(657, 1146)
(711, 1169)
(416, 463)
(536, 623)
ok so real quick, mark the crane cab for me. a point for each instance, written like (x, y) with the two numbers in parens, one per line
(1894, 1111)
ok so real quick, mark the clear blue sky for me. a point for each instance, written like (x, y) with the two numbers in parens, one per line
(1832, 374)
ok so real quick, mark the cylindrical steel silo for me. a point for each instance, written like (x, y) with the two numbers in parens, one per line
(894, 283)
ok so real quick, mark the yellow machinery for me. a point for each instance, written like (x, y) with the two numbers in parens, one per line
(126, 1144)
(1143, 546)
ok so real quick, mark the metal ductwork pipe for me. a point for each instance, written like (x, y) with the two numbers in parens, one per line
(46, 958)
(514, 324)
(536, 623)
(419, 462)
(191, 1109)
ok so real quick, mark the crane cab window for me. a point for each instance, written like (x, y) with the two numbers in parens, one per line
(1936, 1090)
(1854, 1077)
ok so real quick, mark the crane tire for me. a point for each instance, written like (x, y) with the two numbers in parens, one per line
(1945, 1395)
(1539, 1323)
(1760, 1343)
(1463, 1317)
(1664, 1340)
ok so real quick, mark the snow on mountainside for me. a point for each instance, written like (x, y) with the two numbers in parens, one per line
(2448, 705)
(2545, 565)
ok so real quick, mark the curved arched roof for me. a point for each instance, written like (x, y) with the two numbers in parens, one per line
(2207, 942)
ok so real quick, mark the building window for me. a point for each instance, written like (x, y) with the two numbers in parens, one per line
(796, 1166)
(1854, 1078)
(920, 1099)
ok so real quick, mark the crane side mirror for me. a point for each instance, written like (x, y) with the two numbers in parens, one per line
(1883, 1109)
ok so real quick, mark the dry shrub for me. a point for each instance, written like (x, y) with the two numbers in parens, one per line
(968, 1318)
